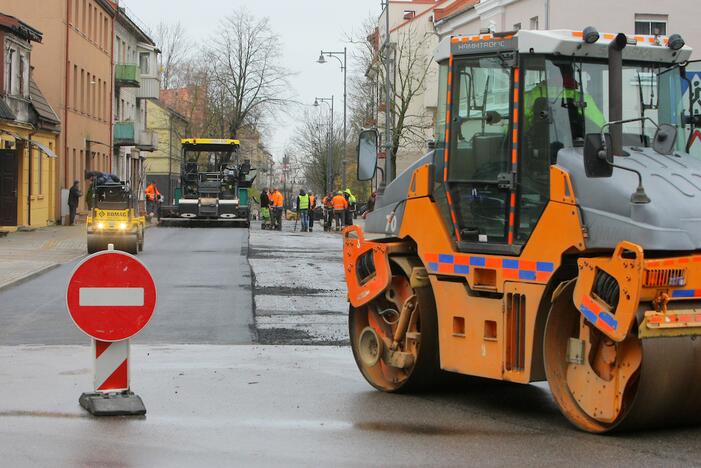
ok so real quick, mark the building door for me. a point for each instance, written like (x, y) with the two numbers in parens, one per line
(8, 187)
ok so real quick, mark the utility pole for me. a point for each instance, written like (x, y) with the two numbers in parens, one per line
(386, 47)
(285, 173)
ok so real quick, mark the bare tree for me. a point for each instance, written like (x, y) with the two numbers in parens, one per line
(174, 45)
(412, 67)
(311, 148)
(246, 77)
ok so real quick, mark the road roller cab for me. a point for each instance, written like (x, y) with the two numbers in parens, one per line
(115, 219)
(552, 234)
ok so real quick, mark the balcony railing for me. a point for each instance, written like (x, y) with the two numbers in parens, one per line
(150, 88)
(124, 134)
(127, 76)
(147, 141)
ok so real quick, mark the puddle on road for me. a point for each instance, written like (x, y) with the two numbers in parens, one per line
(42, 414)
(421, 429)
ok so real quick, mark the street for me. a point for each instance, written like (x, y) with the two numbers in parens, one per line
(204, 294)
(217, 396)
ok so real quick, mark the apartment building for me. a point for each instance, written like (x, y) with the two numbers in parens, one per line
(136, 80)
(163, 165)
(29, 130)
(73, 68)
(628, 16)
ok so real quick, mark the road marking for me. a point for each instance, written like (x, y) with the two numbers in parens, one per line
(111, 297)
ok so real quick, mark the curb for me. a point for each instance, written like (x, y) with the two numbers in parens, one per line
(29, 276)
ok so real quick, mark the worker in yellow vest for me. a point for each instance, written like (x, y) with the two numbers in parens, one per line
(303, 209)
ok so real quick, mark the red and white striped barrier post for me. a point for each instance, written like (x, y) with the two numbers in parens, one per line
(111, 297)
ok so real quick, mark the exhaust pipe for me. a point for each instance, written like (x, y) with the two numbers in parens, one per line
(616, 91)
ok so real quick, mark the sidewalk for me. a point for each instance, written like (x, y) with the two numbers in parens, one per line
(24, 255)
(299, 290)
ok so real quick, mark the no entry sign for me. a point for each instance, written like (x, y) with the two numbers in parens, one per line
(111, 296)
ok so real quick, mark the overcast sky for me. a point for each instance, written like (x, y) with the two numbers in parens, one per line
(305, 27)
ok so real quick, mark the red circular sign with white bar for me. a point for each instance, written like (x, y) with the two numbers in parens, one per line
(111, 296)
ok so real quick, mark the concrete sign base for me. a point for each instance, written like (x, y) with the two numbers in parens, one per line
(113, 404)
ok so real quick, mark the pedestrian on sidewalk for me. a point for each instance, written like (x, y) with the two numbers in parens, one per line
(312, 209)
(340, 206)
(277, 201)
(74, 195)
(303, 209)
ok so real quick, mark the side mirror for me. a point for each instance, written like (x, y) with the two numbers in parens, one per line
(665, 139)
(367, 154)
(598, 156)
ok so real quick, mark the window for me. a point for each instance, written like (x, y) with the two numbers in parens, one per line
(534, 23)
(75, 87)
(82, 90)
(651, 25)
(75, 13)
(10, 68)
(480, 149)
(517, 27)
(145, 63)
(105, 32)
(84, 17)
(40, 173)
(24, 75)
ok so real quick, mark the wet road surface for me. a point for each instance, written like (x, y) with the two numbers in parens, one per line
(213, 398)
(294, 406)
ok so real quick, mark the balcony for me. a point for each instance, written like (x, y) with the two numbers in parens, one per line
(127, 76)
(124, 134)
(150, 88)
(147, 141)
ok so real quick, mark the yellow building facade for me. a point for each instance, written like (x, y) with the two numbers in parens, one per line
(29, 134)
(163, 165)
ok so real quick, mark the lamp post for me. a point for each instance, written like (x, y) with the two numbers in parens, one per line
(344, 68)
(329, 156)
(389, 168)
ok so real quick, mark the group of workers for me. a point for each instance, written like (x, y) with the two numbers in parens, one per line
(338, 209)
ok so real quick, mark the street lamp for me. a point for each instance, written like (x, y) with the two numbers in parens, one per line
(329, 156)
(344, 68)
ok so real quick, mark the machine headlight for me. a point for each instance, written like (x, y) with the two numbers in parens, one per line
(123, 226)
(100, 226)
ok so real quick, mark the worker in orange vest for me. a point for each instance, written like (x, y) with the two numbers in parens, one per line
(152, 197)
(312, 207)
(277, 201)
(340, 205)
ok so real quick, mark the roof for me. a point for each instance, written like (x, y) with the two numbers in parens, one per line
(209, 141)
(20, 28)
(135, 29)
(5, 111)
(41, 105)
(454, 9)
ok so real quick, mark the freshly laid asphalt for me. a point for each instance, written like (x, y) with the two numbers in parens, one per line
(216, 397)
(204, 294)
